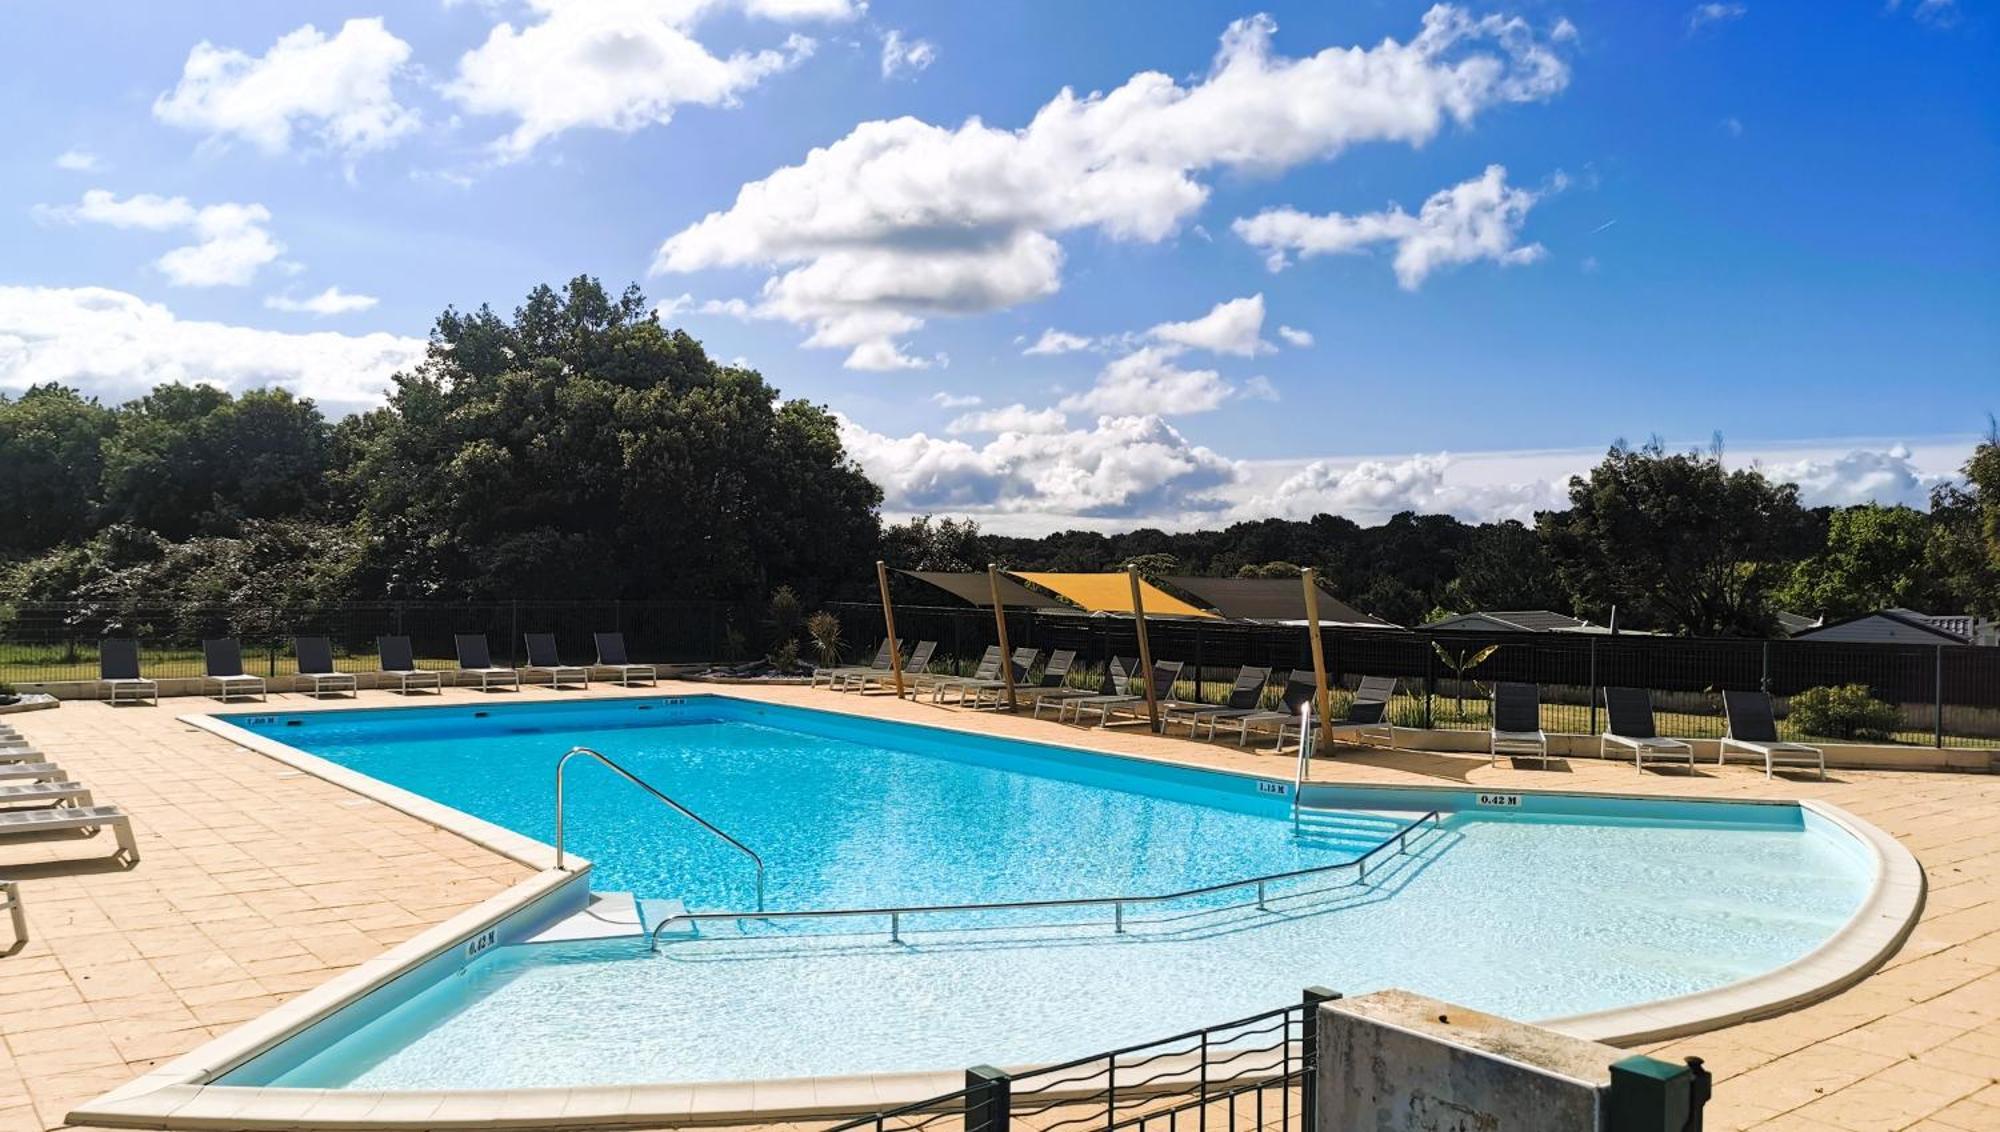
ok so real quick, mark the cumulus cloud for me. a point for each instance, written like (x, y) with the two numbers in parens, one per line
(232, 240)
(338, 90)
(1473, 220)
(116, 345)
(1371, 491)
(1235, 327)
(905, 56)
(1147, 381)
(1863, 475)
(908, 219)
(79, 161)
(331, 301)
(615, 64)
(1012, 418)
(1055, 341)
(1703, 15)
(945, 400)
(1294, 337)
(1120, 468)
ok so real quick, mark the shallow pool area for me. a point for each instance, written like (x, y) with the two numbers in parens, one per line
(1533, 906)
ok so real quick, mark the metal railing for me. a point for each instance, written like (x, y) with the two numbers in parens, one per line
(1306, 743)
(648, 787)
(1399, 840)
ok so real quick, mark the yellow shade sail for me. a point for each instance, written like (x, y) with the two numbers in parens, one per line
(1112, 593)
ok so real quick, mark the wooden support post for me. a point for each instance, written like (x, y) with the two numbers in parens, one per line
(1145, 649)
(1000, 622)
(889, 625)
(1323, 700)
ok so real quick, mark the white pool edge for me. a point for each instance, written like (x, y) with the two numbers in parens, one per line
(177, 1095)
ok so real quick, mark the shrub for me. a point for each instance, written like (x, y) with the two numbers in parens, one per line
(824, 629)
(1846, 711)
(785, 657)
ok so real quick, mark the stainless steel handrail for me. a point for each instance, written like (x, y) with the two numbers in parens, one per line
(1400, 839)
(1306, 743)
(648, 788)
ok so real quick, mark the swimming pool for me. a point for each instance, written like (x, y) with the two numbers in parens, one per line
(1537, 906)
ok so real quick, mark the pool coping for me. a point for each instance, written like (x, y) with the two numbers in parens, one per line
(177, 1094)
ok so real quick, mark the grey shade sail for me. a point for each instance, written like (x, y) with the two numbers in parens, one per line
(975, 588)
(1268, 599)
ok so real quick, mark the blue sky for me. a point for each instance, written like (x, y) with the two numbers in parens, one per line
(1350, 257)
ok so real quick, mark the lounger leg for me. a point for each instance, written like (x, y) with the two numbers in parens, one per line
(121, 828)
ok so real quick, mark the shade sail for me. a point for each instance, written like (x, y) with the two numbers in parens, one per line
(1112, 593)
(1268, 599)
(976, 589)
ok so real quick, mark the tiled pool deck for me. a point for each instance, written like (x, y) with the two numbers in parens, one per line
(257, 882)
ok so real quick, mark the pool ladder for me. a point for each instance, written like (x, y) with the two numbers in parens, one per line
(648, 787)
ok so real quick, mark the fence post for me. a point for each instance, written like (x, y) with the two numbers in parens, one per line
(988, 1100)
(1197, 660)
(1937, 694)
(1593, 685)
(1430, 679)
(1764, 679)
(514, 631)
(1309, 1053)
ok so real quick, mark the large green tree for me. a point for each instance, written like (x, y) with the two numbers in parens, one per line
(191, 459)
(582, 448)
(1677, 541)
(51, 460)
(1963, 553)
(1873, 559)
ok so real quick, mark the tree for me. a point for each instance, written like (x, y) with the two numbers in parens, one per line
(1504, 566)
(1963, 550)
(51, 460)
(925, 543)
(1873, 559)
(191, 459)
(581, 447)
(1677, 541)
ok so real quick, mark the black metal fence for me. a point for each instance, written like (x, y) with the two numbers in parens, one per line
(1946, 695)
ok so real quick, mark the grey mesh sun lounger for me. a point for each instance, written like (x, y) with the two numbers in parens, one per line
(1243, 696)
(118, 671)
(1300, 689)
(1054, 681)
(835, 674)
(399, 663)
(1753, 727)
(1629, 714)
(1024, 662)
(989, 667)
(1117, 678)
(1517, 723)
(543, 659)
(475, 659)
(222, 665)
(87, 818)
(919, 660)
(612, 657)
(315, 657)
(1165, 672)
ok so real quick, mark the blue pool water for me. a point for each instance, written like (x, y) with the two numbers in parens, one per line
(1562, 906)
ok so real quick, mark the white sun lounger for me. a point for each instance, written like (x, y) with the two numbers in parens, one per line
(58, 793)
(91, 818)
(1629, 713)
(31, 772)
(1753, 727)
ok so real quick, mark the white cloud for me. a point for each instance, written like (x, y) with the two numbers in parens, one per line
(667, 310)
(1860, 476)
(1118, 469)
(331, 301)
(1012, 418)
(1473, 220)
(116, 345)
(233, 242)
(79, 161)
(615, 64)
(956, 400)
(1372, 491)
(1734, 125)
(901, 56)
(1055, 341)
(1937, 13)
(1718, 13)
(1295, 337)
(915, 220)
(1235, 327)
(733, 308)
(1259, 388)
(1147, 381)
(340, 90)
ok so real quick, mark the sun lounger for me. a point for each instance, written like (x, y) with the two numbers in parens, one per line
(399, 663)
(1054, 681)
(475, 659)
(60, 792)
(1753, 727)
(1367, 715)
(1517, 723)
(22, 754)
(31, 772)
(543, 659)
(1117, 678)
(1024, 663)
(315, 657)
(118, 671)
(1300, 689)
(834, 674)
(919, 661)
(1629, 715)
(222, 666)
(611, 657)
(988, 668)
(1244, 693)
(1165, 673)
(90, 818)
